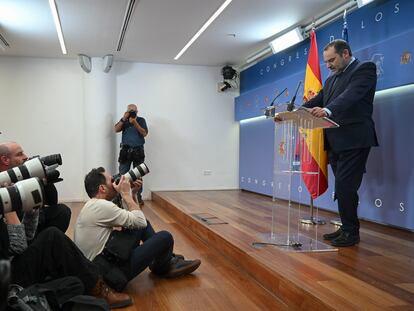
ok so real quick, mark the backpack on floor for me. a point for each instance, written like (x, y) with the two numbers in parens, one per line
(60, 294)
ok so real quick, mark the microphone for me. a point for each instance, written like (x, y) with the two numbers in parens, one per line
(277, 96)
(291, 104)
(270, 110)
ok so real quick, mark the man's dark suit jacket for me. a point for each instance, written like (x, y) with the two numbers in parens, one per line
(349, 98)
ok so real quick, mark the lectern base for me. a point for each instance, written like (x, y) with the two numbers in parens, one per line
(292, 243)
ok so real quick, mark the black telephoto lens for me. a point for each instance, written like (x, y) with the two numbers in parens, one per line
(52, 159)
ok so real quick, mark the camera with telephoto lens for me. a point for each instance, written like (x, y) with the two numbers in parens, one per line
(33, 184)
(42, 167)
(23, 196)
(137, 172)
(132, 114)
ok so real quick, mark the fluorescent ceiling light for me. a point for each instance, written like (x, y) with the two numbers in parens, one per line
(361, 3)
(258, 55)
(288, 39)
(204, 27)
(3, 43)
(56, 19)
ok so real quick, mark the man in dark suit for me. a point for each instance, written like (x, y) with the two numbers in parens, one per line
(347, 98)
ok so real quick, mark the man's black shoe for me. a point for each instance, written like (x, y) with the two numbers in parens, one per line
(345, 239)
(181, 267)
(333, 235)
(178, 256)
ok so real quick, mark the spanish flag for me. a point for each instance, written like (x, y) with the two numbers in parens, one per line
(313, 156)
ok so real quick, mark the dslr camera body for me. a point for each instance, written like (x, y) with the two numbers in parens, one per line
(132, 114)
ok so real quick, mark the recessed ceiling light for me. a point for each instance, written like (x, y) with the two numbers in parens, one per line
(204, 27)
(56, 19)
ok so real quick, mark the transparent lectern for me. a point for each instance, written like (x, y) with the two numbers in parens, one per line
(294, 141)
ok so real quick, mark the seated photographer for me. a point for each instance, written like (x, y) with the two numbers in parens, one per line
(57, 215)
(122, 255)
(49, 255)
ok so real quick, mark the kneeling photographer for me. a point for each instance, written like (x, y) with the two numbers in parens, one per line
(53, 214)
(122, 255)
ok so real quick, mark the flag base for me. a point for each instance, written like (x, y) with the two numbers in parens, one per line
(336, 222)
(313, 221)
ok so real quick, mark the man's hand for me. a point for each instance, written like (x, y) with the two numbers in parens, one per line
(133, 121)
(136, 186)
(123, 187)
(277, 118)
(126, 116)
(318, 112)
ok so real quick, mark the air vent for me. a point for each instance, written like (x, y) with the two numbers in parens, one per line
(127, 19)
(3, 42)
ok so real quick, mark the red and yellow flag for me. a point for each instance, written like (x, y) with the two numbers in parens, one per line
(314, 158)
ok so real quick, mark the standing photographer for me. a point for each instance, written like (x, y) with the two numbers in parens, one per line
(134, 129)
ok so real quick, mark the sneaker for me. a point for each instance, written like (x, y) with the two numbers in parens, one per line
(113, 298)
(181, 267)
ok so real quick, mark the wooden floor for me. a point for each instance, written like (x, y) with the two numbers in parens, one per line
(218, 284)
(377, 274)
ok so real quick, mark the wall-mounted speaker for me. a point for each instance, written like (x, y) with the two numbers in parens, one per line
(85, 62)
(107, 62)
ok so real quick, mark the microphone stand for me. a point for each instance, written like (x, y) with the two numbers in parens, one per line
(291, 104)
(270, 110)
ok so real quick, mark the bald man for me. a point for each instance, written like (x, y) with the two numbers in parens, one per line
(12, 155)
(134, 129)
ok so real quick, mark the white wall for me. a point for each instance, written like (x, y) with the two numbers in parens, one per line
(191, 127)
(41, 108)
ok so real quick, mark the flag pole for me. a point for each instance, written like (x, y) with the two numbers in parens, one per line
(312, 220)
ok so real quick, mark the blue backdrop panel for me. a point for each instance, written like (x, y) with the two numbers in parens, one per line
(388, 25)
(382, 33)
(256, 152)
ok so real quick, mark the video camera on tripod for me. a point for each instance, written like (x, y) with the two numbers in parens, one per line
(32, 184)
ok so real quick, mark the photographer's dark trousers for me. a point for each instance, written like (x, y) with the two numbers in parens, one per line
(52, 255)
(54, 216)
(155, 251)
(131, 155)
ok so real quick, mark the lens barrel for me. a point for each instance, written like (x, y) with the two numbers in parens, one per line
(137, 172)
(25, 195)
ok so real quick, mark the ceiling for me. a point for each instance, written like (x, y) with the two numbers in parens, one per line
(158, 29)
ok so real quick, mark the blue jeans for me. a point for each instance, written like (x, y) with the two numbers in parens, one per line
(154, 250)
